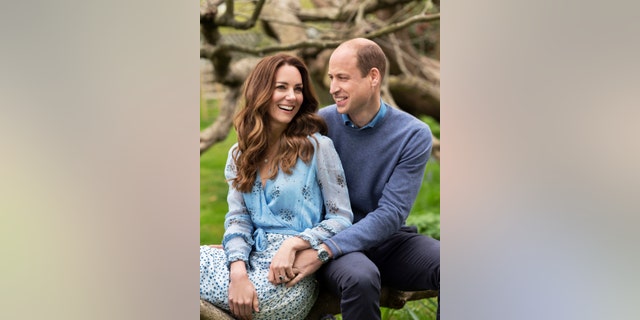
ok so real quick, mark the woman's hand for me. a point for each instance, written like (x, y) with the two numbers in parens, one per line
(280, 269)
(243, 298)
(282, 262)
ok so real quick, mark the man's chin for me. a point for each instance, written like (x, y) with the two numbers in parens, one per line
(341, 110)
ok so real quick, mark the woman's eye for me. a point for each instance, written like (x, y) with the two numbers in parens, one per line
(299, 89)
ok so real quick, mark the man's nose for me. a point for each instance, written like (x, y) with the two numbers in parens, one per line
(333, 88)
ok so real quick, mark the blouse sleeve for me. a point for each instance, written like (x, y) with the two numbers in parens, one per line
(332, 182)
(237, 239)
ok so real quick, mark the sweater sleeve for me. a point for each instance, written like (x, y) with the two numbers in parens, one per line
(338, 215)
(237, 239)
(395, 204)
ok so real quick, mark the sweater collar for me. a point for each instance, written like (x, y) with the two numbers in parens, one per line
(372, 123)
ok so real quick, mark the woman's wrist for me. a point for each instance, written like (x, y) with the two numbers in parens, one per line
(238, 270)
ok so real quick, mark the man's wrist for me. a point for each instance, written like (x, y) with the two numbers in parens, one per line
(324, 253)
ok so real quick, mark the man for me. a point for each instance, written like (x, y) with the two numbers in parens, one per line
(384, 153)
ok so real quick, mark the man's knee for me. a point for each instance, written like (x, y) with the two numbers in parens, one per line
(361, 279)
(352, 274)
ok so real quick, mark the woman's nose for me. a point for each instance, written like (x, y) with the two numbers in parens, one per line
(290, 95)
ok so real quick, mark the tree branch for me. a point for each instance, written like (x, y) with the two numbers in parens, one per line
(345, 13)
(228, 19)
(401, 25)
(219, 130)
(209, 51)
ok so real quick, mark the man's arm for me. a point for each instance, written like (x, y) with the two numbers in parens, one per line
(397, 198)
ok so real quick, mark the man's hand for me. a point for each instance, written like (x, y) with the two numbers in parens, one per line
(306, 263)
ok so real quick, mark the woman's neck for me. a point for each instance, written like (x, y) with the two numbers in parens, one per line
(274, 136)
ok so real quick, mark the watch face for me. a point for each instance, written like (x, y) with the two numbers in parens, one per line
(323, 255)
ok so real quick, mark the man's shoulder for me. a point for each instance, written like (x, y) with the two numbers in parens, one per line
(406, 120)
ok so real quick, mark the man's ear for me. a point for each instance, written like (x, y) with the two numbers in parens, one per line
(374, 73)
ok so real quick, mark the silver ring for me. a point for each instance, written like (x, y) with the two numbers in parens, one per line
(281, 278)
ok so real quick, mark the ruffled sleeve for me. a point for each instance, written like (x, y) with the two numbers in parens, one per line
(237, 239)
(332, 182)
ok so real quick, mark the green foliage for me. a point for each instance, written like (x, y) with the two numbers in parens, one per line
(433, 124)
(427, 223)
(425, 213)
(414, 310)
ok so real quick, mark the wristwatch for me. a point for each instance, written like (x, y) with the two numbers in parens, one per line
(323, 255)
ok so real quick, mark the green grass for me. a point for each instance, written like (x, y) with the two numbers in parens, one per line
(213, 191)
(213, 187)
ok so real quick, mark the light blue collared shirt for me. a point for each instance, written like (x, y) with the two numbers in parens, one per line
(372, 123)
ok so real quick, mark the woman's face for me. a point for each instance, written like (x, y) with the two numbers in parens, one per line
(287, 96)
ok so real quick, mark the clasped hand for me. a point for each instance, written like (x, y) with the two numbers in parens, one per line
(305, 262)
(292, 262)
(281, 270)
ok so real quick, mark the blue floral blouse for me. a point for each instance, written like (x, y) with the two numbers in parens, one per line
(312, 203)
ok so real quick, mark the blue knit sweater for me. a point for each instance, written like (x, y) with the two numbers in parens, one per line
(384, 167)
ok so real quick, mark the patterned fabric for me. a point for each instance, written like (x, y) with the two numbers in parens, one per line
(311, 203)
(275, 302)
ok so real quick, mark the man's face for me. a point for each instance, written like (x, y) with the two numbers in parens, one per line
(352, 92)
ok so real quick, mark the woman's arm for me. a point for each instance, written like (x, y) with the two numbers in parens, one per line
(338, 215)
(237, 239)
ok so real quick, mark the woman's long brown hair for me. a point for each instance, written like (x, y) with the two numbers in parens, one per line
(253, 122)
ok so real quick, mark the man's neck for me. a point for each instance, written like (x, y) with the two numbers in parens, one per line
(366, 115)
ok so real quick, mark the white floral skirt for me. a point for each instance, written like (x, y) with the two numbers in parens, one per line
(275, 302)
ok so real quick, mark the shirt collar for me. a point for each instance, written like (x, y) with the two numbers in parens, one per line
(372, 123)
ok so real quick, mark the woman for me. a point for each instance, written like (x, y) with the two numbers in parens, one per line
(287, 193)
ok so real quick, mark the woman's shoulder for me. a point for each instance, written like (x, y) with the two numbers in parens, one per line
(233, 148)
(321, 142)
(320, 138)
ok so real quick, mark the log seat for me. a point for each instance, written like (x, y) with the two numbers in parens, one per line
(328, 304)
